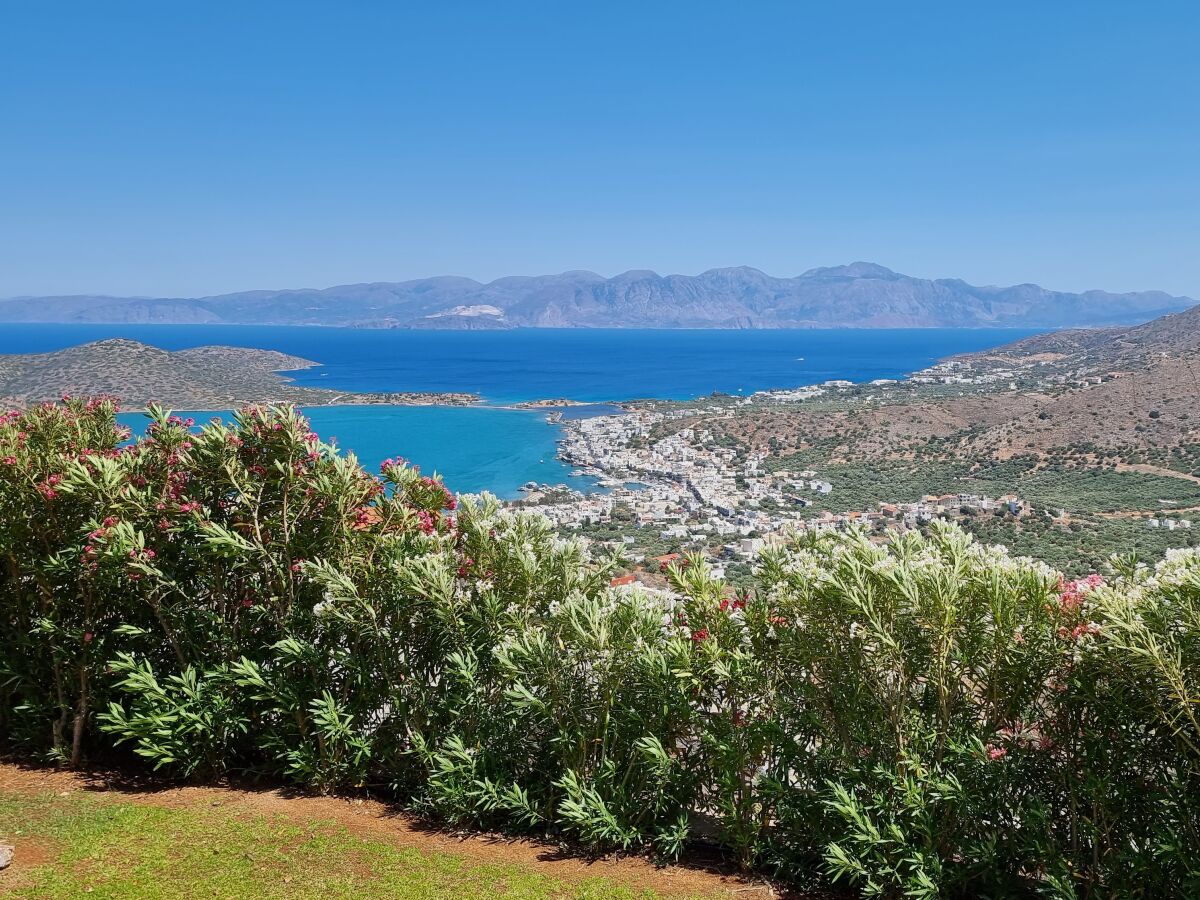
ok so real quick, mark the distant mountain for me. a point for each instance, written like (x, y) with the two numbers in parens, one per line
(862, 295)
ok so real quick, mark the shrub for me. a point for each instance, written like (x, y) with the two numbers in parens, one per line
(920, 717)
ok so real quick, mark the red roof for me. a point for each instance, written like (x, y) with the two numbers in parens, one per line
(622, 579)
(665, 561)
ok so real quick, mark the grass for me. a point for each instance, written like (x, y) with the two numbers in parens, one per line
(103, 848)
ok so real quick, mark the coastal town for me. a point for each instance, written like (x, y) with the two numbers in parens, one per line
(726, 475)
(666, 483)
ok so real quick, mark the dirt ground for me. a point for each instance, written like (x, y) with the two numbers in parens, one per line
(377, 821)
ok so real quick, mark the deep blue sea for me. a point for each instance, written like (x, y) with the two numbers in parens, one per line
(498, 449)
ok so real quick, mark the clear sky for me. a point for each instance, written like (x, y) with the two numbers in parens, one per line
(186, 148)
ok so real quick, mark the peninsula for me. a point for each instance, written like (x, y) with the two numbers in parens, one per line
(197, 378)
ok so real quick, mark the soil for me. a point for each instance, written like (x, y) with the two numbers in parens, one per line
(371, 819)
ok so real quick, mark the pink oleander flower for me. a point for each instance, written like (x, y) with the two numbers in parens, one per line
(1071, 593)
(996, 753)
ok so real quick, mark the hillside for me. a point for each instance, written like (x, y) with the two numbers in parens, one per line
(199, 378)
(1114, 387)
(1093, 436)
(858, 295)
(1132, 390)
(1173, 336)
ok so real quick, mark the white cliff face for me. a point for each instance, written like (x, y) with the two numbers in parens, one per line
(481, 309)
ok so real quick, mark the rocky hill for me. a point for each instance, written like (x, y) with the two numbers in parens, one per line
(858, 295)
(1136, 386)
(1173, 336)
(1110, 390)
(200, 378)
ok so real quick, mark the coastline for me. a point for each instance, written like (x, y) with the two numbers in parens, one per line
(205, 407)
(268, 377)
(477, 403)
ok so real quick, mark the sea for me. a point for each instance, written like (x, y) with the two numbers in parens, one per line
(494, 448)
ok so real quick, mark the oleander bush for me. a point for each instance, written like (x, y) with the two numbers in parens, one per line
(923, 717)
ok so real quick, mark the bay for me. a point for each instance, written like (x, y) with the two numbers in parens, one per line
(535, 363)
(473, 448)
(500, 449)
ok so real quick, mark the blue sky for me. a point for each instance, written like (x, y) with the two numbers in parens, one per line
(166, 148)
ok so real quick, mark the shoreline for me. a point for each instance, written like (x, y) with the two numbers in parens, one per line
(479, 404)
(228, 376)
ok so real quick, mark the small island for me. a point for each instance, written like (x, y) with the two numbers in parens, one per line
(201, 378)
(561, 402)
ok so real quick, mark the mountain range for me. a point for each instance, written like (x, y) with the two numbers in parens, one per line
(862, 295)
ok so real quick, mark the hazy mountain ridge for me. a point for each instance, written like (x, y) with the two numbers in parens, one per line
(857, 295)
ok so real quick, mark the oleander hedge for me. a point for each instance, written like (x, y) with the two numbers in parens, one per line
(922, 718)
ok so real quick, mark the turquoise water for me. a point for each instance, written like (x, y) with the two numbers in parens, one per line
(500, 449)
(473, 448)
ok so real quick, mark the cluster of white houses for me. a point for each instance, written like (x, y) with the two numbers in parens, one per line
(1169, 524)
(688, 487)
(958, 371)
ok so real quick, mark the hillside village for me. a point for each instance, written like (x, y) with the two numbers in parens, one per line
(689, 489)
(727, 475)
